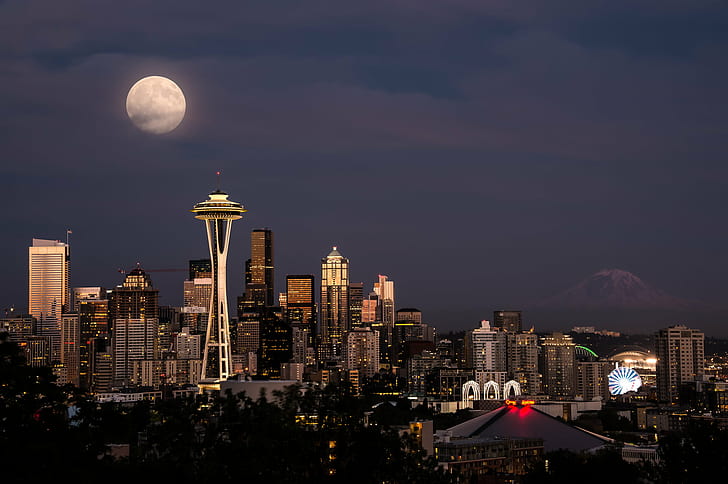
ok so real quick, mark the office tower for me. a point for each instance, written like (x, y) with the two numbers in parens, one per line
(188, 345)
(507, 320)
(680, 360)
(93, 322)
(485, 349)
(200, 268)
(70, 349)
(259, 284)
(522, 361)
(134, 318)
(134, 339)
(247, 343)
(362, 351)
(558, 366)
(334, 304)
(169, 325)
(86, 294)
(410, 315)
(369, 307)
(101, 368)
(197, 291)
(196, 300)
(48, 289)
(300, 300)
(275, 344)
(356, 299)
(592, 379)
(135, 298)
(384, 289)
(218, 213)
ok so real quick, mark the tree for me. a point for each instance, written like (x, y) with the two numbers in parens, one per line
(685, 455)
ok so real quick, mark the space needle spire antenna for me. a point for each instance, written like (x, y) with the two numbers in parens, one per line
(218, 214)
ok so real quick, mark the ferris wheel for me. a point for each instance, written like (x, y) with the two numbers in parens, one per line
(623, 380)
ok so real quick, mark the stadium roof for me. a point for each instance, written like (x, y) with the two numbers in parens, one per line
(528, 422)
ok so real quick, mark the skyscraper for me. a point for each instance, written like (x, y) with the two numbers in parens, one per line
(218, 213)
(275, 344)
(259, 284)
(680, 360)
(558, 365)
(196, 296)
(384, 288)
(134, 316)
(334, 304)
(356, 299)
(48, 288)
(93, 318)
(300, 300)
(522, 361)
(200, 268)
(70, 353)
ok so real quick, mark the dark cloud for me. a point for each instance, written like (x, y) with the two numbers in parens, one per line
(480, 153)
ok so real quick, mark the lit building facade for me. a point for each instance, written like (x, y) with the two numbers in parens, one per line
(334, 320)
(522, 361)
(362, 351)
(70, 349)
(558, 366)
(301, 300)
(259, 270)
(356, 300)
(680, 360)
(134, 316)
(93, 321)
(485, 349)
(384, 289)
(592, 379)
(48, 288)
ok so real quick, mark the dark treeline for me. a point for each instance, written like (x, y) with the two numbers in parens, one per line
(320, 435)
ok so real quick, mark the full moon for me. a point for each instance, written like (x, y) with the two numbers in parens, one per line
(155, 104)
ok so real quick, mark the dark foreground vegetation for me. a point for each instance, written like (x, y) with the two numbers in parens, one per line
(48, 432)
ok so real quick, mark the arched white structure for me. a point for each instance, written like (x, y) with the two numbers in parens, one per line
(467, 387)
(511, 385)
(491, 385)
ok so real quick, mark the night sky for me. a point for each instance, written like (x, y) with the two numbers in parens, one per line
(482, 154)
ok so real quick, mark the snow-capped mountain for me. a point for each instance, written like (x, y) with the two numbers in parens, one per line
(615, 289)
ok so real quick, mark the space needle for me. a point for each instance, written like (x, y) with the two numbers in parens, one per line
(218, 213)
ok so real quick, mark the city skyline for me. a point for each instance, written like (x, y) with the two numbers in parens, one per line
(481, 155)
(176, 297)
